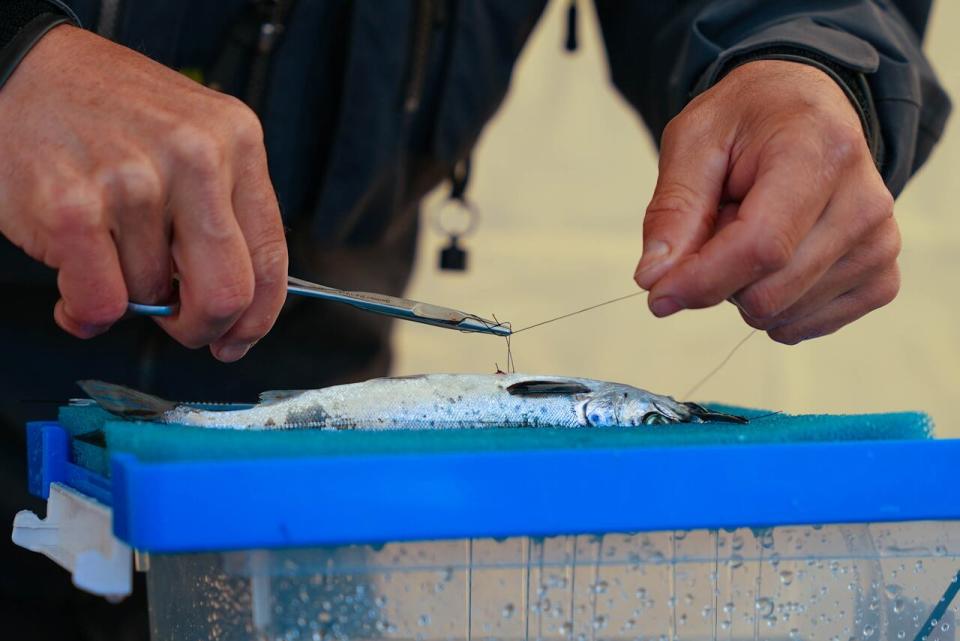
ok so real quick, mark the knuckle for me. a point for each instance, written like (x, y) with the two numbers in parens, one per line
(879, 206)
(99, 311)
(761, 303)
(74, 212)
(227, 301)
(134, 185)
(669, 202)
(197, 150)
(886, 290)
(253, 329)
(270, 261)
(786, 336)
(888, 246)
(772, 250)
(244, 125)
(843, 141)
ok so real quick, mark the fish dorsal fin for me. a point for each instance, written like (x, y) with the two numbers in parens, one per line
(126, 402)
(537, 387)
(277, 395)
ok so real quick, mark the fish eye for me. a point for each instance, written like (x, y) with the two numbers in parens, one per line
(654, 418)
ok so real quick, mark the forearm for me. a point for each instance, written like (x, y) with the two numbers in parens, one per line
(22, 24)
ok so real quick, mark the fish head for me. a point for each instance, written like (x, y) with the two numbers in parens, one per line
(622, 405)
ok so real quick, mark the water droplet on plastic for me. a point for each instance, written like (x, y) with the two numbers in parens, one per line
(599, 622)
(566, 629)
(688, 599)
(786, 577)
(766, 539)
(901, 634)
(868, 631)
(507, 611)
(736, 543)
(764, 606)
(600, 587)
(918, 566)
(735, 561)
(641, 593)
(424, 620)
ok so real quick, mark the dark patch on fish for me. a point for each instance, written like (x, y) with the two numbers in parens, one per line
(547, 388)
(313, 416)
(277, 395)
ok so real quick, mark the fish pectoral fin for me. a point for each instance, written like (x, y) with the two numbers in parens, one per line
(705, 414)
(537, 387)
(277, 395)
(126, 402)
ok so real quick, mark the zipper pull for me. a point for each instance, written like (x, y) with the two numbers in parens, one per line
(571, 43)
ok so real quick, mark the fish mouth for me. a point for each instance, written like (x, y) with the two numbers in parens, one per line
(704, 414)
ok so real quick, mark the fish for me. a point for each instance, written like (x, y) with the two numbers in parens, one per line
(427, 401)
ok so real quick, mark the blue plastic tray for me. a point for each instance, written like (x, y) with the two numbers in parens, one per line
(370, 498)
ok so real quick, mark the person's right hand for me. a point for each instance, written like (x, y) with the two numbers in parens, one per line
(120, 173)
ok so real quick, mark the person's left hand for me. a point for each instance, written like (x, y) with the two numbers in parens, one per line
(768, 197)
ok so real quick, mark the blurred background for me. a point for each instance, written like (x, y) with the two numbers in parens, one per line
(562, 177)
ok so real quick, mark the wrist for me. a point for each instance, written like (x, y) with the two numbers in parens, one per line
(22, 24)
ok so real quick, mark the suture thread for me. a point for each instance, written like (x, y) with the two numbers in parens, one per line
(713, 372)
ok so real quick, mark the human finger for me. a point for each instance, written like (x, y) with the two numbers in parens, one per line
(92, 291)
(877, 253)
(880, 290)
(258, 215)
(683, 208)
(134, 194)
(788, 196)
(846, 226)
(208, 249)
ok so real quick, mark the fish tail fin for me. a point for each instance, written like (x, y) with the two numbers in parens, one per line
(705, 414)
(126, 402)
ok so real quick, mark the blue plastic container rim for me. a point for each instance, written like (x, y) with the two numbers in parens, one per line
(299, 502)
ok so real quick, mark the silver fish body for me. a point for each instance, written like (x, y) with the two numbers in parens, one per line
(432, 401)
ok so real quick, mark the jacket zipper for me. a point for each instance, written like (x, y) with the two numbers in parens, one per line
(418, 56)
(109, 17)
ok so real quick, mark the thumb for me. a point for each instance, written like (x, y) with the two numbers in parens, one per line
(683, 210)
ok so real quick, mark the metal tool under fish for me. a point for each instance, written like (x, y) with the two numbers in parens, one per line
(394, 306)
(430, 401)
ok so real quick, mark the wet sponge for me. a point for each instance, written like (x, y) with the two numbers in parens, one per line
(97, 434)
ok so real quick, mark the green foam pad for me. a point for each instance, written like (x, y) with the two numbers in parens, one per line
(160, 442)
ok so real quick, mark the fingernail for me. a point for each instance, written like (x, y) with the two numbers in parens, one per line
(231, 353)
(664, 306)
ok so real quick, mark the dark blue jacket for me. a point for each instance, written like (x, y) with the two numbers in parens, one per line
(368, 104)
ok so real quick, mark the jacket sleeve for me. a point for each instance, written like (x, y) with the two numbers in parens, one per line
(22, 24)
(871, 47)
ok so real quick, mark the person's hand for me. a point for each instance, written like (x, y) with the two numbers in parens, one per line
(120, 173)
(768, 197)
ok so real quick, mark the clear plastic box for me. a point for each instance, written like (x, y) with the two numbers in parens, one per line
(832, 583)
